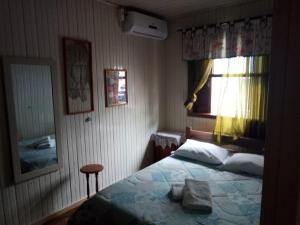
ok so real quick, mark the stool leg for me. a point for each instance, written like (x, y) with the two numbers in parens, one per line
(96, 175)
(88, 185)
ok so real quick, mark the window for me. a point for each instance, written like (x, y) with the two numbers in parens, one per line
(208, 98)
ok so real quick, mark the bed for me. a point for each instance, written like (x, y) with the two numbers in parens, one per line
(142, 198)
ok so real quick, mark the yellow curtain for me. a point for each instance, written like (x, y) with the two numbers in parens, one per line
(205, 70)
(249, 102)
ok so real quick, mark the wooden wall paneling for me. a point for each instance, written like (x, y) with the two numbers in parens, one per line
(124, 142)
(66, 31)
(126, 109)
(100, 55)
(142, 48)
(21, 202)
(112, 110)
(73, 32)
(65, 170)
(17, 24)
(98, 91)
(30, 28)
(130, 86)
(31, 203)
(118, 110)
(137, 75)
(106, 114)
(134, 98)
(128, 123)
(44, 196)
(95, 119)
(114, 122)
(134, 81)
(120, 62)
(51, 11)
(123, 109)
(90, 125)
(6, 43)
(9, 211)
(37, 203)
(108, 111)
(82, 155)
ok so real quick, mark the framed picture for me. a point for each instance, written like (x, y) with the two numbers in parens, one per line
(115, 87)
(78, 75)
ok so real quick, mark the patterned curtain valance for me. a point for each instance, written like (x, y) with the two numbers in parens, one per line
(247, 38)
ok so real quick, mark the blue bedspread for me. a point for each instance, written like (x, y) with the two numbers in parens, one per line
(143, 198)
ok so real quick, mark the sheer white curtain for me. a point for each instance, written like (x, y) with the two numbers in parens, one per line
(239, 96)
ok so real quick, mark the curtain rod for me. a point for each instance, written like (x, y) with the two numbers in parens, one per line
(215, 24)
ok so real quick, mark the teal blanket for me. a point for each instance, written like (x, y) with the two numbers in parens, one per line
(143, 198)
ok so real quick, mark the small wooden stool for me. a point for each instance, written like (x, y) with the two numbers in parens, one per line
(87, 170)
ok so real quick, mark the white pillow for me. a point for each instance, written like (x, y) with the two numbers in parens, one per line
(202, 151)
(244, 162)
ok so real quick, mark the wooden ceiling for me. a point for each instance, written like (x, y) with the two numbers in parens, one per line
(171, 9)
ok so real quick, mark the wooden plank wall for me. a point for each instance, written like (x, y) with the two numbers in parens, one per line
(116, 137)
(176, 68)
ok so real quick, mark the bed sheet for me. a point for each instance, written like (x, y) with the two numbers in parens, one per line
(142, 198)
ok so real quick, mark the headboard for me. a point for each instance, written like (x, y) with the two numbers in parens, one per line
(242, 144)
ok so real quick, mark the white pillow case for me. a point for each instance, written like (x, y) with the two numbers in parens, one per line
(244, 162)
(202, 151)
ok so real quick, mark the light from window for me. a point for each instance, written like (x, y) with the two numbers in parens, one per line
(235, 65)
(228, 98)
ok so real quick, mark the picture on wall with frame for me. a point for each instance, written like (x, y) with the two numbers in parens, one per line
(115, 81)
(78, 75)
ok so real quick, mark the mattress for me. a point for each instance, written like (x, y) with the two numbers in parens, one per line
(142, 198)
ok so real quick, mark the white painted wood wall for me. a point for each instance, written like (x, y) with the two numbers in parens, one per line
(116, 137)
(176, 68)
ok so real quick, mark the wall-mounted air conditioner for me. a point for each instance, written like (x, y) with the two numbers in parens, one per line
(146, 26)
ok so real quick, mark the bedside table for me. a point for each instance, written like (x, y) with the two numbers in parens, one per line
(165, 142)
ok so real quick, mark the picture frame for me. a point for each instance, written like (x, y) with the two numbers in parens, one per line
(116, 90)
(78, 75)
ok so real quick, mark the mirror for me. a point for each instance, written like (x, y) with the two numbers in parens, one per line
(30, 86)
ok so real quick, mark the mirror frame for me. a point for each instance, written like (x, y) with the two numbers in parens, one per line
(7, 61)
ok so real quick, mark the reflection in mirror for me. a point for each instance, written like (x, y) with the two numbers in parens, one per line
(29, 91)
(33, 103)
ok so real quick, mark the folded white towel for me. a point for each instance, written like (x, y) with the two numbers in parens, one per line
(196, 195)
(41, 141)
(176, 192)
(49, 144)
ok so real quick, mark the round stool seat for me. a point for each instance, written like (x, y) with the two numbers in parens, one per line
(87, 170)
(91, 168)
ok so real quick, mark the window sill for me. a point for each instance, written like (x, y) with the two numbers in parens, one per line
(202, 115)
